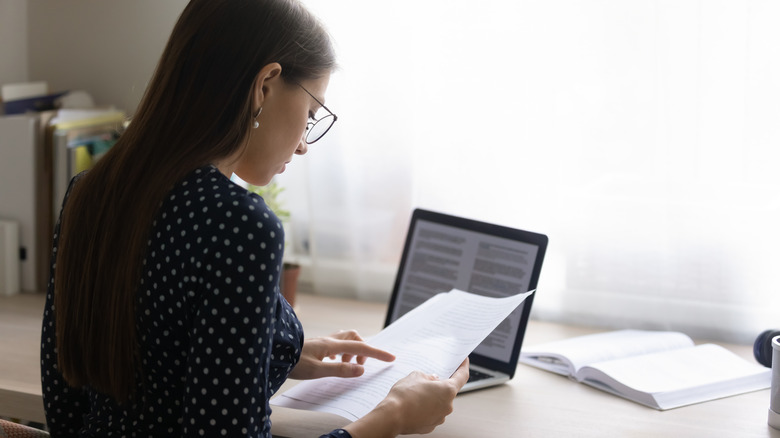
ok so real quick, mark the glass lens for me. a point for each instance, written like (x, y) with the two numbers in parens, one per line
(320, 128)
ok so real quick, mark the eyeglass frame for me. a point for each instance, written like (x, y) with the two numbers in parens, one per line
(310, 125)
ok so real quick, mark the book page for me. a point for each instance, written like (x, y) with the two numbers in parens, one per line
(679, 377)
(433, 338)
(677, 369)
(569, 355)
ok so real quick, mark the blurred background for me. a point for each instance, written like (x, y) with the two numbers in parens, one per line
(641, 136)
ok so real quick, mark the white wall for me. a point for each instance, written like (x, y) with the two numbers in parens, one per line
(13, 41)
(108, 48)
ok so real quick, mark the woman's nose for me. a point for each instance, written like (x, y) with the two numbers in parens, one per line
(303, 147)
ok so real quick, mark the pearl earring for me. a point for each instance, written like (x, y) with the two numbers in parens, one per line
(256, 124)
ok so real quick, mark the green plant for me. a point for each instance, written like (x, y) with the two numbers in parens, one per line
(270, 194)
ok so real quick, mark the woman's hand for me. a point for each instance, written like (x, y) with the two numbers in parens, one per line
(416, 404)
(346, 343)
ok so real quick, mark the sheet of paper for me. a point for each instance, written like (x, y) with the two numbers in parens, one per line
(433, 338)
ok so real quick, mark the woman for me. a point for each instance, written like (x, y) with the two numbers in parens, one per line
(164, 305)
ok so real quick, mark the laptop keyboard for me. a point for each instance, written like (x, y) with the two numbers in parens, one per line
(475, 375)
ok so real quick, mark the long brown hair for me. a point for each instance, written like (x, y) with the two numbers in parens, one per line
(197, 109)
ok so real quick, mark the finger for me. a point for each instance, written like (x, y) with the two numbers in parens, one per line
(359, 359)
(351, 335)
(461, 375)
(359, 348)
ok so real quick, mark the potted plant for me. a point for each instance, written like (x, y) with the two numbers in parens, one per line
(291, 270)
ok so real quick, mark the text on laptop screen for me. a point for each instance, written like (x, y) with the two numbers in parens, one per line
(442, 257)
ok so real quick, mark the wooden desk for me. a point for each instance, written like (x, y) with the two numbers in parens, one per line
(20, 370)
(534, 404)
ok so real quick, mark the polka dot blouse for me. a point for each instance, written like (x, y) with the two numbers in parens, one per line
(216, 338)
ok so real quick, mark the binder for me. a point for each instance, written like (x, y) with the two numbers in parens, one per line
(76, 140)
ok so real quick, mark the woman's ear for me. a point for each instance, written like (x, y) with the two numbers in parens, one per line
(265, 81)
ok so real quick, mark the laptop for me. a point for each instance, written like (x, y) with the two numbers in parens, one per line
(443, 252)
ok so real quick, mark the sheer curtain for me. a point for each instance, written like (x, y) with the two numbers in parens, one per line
(640, 136)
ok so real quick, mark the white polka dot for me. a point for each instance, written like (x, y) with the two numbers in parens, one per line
(187, 337)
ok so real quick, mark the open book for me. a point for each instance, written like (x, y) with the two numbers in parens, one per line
(435, 338)
(663, 370)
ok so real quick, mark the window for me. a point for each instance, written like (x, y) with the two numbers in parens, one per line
(640, 136)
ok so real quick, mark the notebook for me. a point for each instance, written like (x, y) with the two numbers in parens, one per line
(443, 252)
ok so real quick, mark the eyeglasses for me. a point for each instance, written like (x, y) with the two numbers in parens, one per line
(318, 128)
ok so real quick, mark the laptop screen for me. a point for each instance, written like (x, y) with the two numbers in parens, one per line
(443, 252)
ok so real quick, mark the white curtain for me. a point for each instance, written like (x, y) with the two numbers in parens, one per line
(641, 136)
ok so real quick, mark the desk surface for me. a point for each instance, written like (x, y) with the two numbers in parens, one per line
(20, 375)
(533, 404)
